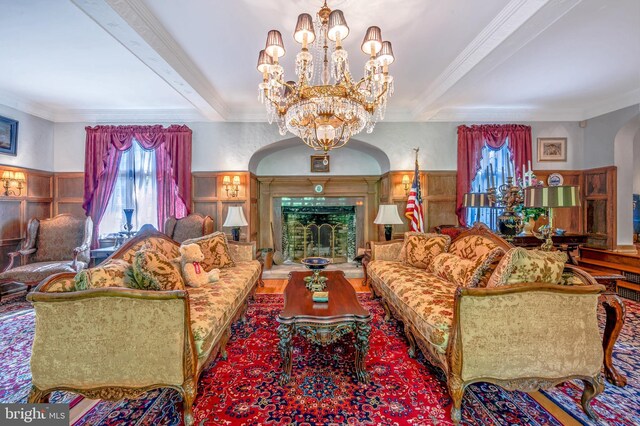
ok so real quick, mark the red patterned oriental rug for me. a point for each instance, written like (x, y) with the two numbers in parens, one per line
(244, 390)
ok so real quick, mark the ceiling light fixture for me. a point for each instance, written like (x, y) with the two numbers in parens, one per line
(325, 109)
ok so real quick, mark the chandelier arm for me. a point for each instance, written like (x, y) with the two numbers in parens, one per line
(384, 91)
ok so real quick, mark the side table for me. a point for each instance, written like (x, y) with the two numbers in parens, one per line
(99, 255)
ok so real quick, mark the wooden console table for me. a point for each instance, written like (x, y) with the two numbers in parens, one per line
(566, 243)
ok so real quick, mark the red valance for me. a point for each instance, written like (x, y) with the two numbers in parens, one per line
(471, 140)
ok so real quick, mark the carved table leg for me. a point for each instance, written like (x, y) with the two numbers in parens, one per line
(285, 332)
(615, 311)
(363, 329)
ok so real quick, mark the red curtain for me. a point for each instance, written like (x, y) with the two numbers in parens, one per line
(104, 145)
(471, 140)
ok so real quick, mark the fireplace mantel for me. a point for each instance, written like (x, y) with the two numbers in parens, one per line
(365, 188)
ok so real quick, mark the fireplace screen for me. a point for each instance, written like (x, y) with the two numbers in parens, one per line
(326, 231)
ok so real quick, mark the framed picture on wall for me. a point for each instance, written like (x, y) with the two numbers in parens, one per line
(319, 164)
(552, 149)
(8, 136)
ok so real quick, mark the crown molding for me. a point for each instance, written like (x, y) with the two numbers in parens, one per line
(129, 116)
(505, 114)
(527, 18)
(613, 104)
(132, 24)
(27, 106)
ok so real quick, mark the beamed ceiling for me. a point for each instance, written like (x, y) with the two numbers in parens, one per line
(194, 60)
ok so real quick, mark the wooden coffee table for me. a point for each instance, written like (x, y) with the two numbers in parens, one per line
(322, 323)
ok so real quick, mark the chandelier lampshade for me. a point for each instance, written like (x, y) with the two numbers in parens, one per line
(386, 53)
(264, 62)
(275, 45)
(304, 27)
(326, 106)
(372, 42)
(337, 26)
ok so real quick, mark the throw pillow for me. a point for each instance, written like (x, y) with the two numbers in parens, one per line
(453, 269)
(215, 249)
(521, 266)
(472, 247)
(151, 270)
(465, 272)
(111, 273)
(419, 249)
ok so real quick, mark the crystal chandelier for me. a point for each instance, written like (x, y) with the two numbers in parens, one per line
(325, 109)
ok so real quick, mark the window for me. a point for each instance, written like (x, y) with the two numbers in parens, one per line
(135, 188)
(500, 159)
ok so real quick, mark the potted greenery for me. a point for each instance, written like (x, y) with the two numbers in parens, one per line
(529, 216)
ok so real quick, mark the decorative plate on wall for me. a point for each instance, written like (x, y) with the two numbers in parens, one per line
(555, 179)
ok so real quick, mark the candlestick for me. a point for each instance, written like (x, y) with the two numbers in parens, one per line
(493, 177)
(503, 174)
(486, 173)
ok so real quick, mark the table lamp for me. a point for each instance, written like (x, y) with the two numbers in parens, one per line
(551, 197)
(476, 200)
(388, 216)
(235, 219)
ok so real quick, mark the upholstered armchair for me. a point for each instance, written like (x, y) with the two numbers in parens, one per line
(59, 244)
(192, 226)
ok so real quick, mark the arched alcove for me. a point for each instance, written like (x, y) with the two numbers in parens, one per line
(290, 157)
(624, 161)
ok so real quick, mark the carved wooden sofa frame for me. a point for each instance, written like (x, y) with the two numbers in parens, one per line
(178, 300)
(455, 353)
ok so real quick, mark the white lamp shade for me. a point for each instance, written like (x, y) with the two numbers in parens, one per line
(235, 217)
(388, 215)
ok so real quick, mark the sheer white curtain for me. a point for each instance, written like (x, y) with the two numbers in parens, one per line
(499, 159)
(135, 188)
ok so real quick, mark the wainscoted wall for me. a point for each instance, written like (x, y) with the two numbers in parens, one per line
(68, 193)
(35, 200)
(438, 194)
(210, 198)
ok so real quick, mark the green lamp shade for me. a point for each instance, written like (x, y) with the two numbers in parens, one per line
(552, 196)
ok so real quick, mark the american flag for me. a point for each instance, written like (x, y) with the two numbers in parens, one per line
(414, 203)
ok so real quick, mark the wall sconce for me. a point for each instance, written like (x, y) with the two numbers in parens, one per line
(406, 183)
(9, 177)
(233, 189)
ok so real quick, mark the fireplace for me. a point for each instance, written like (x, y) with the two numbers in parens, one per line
(319, 226)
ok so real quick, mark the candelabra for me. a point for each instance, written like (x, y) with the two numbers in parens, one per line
(508, 195)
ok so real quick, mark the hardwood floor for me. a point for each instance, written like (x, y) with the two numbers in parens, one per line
(277, 286)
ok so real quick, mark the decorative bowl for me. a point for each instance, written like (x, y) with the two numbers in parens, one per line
(315, 282)
(314, 263)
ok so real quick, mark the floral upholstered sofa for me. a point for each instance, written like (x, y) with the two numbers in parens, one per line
(117, 342)
(465, 305)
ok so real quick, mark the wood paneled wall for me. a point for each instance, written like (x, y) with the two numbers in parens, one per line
(597, 213)
(46, 194)
(68, 193)
(35, 200)
(210, 198)
(438, 194)
(569, 219)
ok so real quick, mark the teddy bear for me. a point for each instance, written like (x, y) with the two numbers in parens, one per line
(192, 271)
